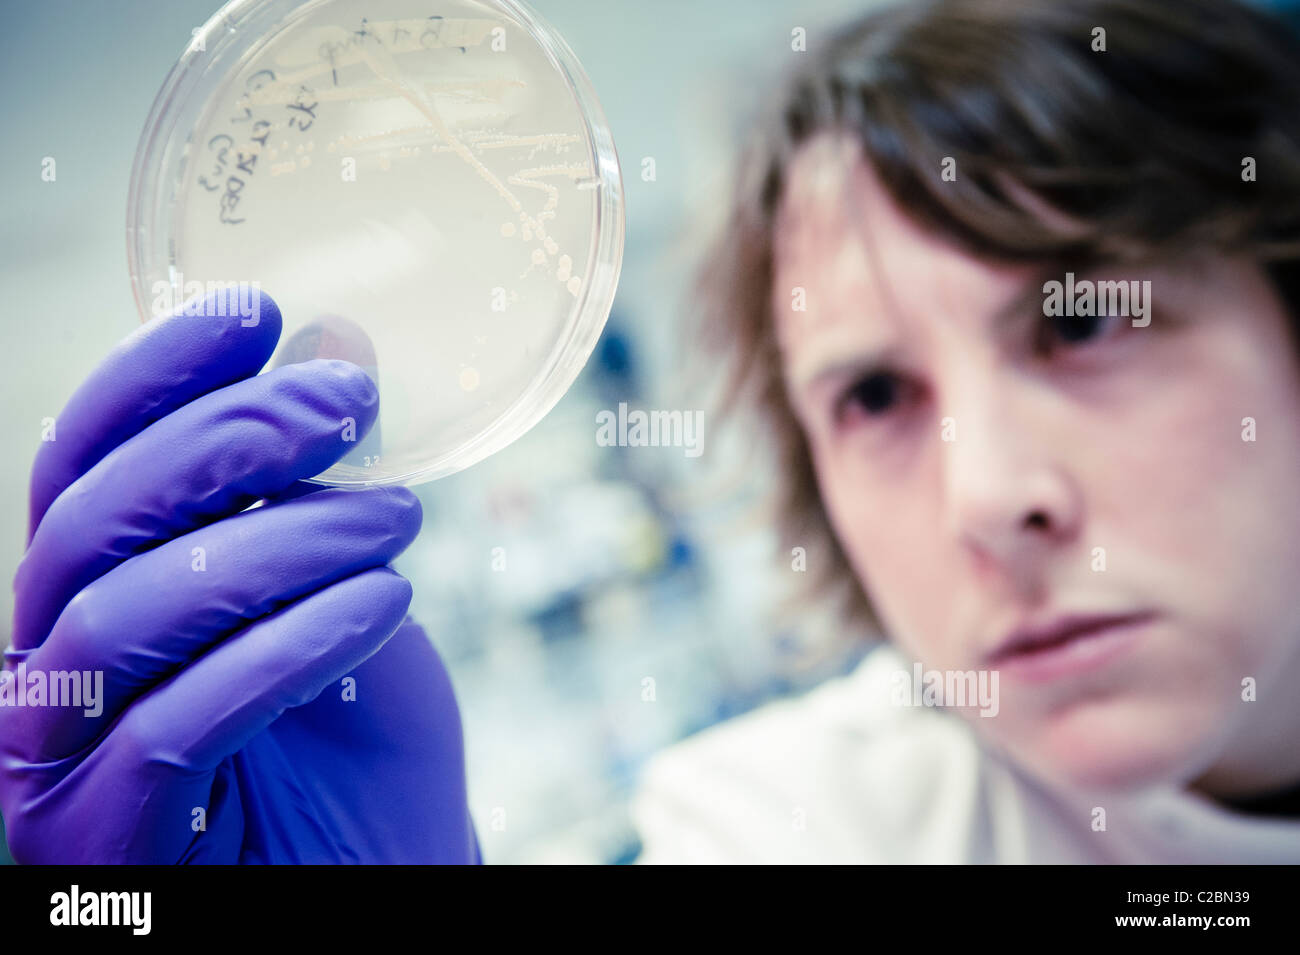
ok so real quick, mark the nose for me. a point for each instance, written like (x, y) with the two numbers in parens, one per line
(1010, 499)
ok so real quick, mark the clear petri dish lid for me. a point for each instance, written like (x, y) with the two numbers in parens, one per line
(427, 188)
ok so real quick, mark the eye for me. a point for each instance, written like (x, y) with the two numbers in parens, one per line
(874, 395)
(1055, 332)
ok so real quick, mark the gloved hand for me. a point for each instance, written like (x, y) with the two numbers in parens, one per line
(265, 697)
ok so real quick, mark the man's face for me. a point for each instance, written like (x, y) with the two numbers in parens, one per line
(1073, 504)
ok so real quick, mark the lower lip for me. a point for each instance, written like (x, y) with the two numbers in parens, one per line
(1085, 653)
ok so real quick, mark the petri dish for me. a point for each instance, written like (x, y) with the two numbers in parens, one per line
(428, 188)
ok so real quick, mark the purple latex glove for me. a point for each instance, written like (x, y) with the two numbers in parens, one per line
(265, 697)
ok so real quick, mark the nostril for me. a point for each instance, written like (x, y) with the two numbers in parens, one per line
(1037, 520)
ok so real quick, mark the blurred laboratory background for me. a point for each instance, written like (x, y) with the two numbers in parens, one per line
(593, 604)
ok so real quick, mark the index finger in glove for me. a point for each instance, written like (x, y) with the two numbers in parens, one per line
(212, 458)
(161, 366)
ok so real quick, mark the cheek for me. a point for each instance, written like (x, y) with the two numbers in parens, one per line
(1206, 519)
(890, 532)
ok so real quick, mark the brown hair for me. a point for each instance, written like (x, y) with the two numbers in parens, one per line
(1139, 148)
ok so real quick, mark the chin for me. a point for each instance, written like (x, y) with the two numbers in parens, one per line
(1116, 746)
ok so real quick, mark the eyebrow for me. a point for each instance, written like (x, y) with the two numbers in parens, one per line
(1030, 298)
(1087, 269)
(854, 367)
(1027, 299)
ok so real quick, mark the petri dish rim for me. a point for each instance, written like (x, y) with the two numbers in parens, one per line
(235, 35)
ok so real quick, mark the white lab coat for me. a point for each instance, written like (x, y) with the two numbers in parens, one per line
(842, 775)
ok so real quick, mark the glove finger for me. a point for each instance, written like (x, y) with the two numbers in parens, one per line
(212, 708)
(213, 457)
(148, 617)
(333, 336)
(162, 365)
(159, 761)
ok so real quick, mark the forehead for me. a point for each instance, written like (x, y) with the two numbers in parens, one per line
(816, 239)
(841, 238)
(822, 177)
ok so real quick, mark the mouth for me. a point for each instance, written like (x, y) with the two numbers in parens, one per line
(1066, 646)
